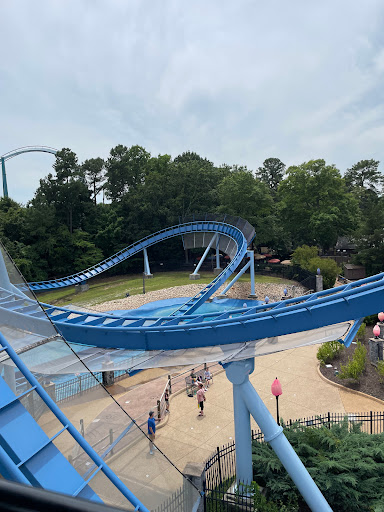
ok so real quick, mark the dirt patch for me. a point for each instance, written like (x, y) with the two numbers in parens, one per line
(369, 382)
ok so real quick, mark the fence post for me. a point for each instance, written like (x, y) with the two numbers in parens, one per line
(219, 464)
(329, 420)
(169, 384)
(158, 409)
(370, 419)
(82, 427)
(79, 377)
(111, 438)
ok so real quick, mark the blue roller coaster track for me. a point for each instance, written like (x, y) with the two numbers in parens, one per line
(29, 456)
(188, 330)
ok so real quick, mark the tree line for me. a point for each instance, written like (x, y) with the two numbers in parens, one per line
(65, 227)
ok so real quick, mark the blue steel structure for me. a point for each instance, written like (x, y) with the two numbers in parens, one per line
(19, 151)
(183, 329)
(29, 456)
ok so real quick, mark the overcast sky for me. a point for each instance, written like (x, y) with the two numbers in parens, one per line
(235, 81)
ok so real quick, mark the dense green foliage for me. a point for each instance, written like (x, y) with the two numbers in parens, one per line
(346, 464)
(328, 351)
(64, 229)
(307, 257)
(355, 365)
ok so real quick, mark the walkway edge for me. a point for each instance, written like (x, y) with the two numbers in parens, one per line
(348, 390)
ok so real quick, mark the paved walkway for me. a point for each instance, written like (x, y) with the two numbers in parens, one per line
(186, 437)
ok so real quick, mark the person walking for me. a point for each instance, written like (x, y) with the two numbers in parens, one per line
(200, 395)
(152, 431)
(166, 399)
(207, 377)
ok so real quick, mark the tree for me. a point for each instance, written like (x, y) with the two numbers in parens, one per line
(93, 171)
(272, 172)
(241, 194)
(346, 464)
(364, 174)
(126, 169)
(65, 165)
(315, 206)
(369, 237)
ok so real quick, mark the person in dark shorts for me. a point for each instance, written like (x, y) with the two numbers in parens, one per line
(152, 431)
(200, 395)
(166, 399)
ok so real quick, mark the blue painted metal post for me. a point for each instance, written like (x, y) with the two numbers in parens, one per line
(244, 269)
(213, 240)
(147, 270)
(273, 434)
(251, 255)
(236, 373)
(218, 268)
(5, 186)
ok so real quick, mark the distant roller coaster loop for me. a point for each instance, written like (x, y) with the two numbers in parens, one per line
(19, 151)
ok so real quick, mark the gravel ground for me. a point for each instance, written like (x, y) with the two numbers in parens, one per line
(238, 291)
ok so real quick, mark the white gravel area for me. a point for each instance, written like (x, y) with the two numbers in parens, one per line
(238, 291)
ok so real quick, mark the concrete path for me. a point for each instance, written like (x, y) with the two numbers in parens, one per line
(186, 437)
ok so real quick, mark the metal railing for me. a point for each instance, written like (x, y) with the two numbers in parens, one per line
(220, 468)
(82, 384)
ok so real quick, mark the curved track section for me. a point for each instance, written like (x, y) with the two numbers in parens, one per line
(28, 149)
(344, 303)
(220, 228)
(348, 302)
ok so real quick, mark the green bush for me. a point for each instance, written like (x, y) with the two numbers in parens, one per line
(261, 504)
(380, 370)
(307, 257)
(370, 320)
(303, 254)
(329, 270)
(361, 332)
(355, 365)
(345, 463)
(328, 351)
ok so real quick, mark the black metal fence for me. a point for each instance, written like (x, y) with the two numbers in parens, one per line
(289, 272)
(220, 468)
(175, 503)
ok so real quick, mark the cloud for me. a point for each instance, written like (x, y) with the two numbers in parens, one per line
(237, 82)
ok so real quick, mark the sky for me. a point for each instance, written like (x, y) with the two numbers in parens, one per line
(235, 81)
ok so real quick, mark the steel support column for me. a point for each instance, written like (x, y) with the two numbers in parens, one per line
(236, 373)
(147, 270)
(244, 269)
(218, 268)
(4, 176)
(213, 240)
(251, 255)
(239, 373)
